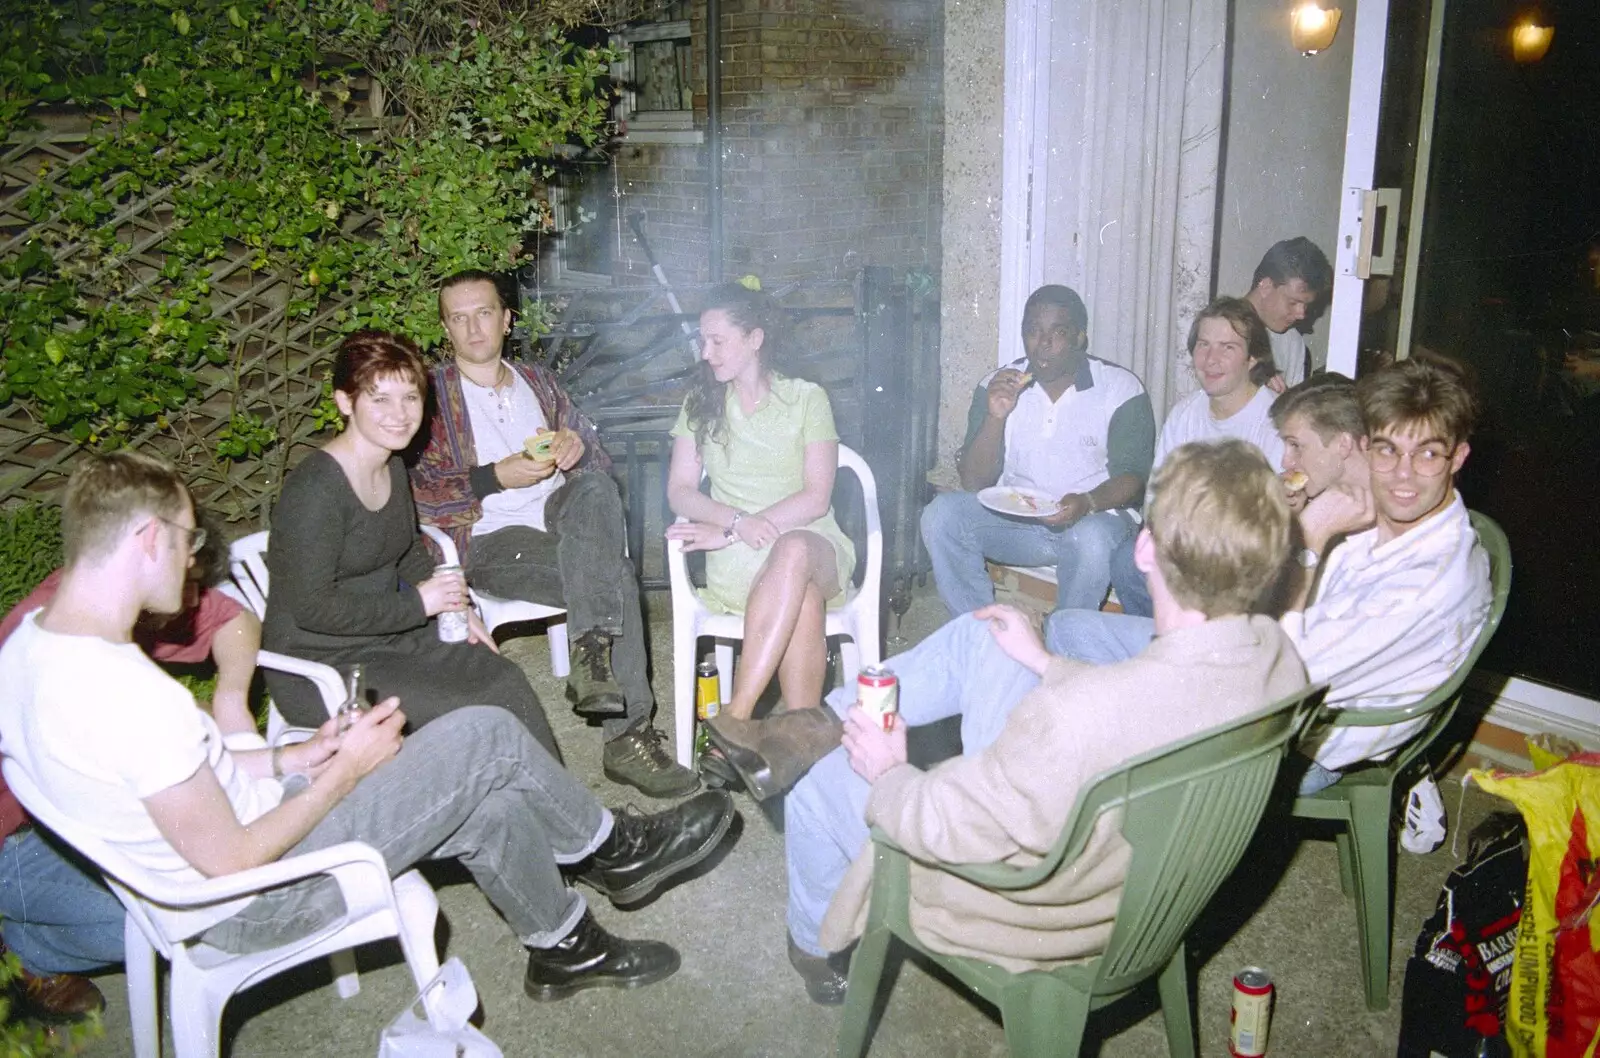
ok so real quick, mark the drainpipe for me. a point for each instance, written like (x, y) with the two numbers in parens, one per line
(714, 135)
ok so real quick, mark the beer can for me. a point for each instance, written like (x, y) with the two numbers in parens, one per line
(452, 623)
(1252, 1013)
(878, 694)
(707, 691)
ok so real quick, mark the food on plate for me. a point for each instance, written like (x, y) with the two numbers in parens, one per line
(1026, 500)
(1296, 480)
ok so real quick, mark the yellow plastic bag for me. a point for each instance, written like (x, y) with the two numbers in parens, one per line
(1554, 1009)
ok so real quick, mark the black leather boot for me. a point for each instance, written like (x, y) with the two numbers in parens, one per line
(642, 852)
(589, 957)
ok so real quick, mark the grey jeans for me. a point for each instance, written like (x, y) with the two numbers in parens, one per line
(474, 786)
(579, 563)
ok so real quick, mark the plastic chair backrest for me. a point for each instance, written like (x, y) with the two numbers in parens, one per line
(130, 882)
(247, 561)
(1443, 701)
(1188, 812)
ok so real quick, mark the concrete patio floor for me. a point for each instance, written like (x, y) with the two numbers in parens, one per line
(737, 996)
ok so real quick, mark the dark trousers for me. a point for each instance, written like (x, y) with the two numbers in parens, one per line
(580, 563)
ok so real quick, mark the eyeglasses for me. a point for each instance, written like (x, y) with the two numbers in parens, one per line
(1429, 461)
(197, 535)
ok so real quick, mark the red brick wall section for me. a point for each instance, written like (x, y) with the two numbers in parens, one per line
(833, 144)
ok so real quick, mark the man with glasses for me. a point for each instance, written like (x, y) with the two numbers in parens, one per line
(1391, 587)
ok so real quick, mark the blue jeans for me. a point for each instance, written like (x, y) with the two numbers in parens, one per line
(1133, 595)
(473, 786)
(1106, 638)
(956, 671)
(960, 533)
(59, 917)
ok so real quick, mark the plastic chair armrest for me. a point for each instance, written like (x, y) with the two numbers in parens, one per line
(356, 867)
(326, 678)
(447, 546)
(1336, 717)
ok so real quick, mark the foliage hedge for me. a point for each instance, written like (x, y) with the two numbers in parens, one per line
(239, 113)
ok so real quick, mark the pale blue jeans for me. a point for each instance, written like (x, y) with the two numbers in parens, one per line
(959, 670)
(960, 533)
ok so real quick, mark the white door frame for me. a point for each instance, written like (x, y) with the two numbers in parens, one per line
(1360, 147)
(1024, 154)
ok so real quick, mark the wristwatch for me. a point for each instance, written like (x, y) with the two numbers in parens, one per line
(1308, 558)
(728, 533)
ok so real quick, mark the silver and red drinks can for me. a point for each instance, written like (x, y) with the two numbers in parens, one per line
(452, 623)
(878, 694)
(1252, 1013)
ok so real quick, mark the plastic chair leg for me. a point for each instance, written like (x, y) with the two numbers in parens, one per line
(849, 662)
(144, 992)
(725, 670)
(1347, 878)
(1043, 1018)
(346, 981)
(1373, 848)
(560, 652)
(419, 916)
(866, 973)
(196, 1013)
(683, 661)
(1173, 985)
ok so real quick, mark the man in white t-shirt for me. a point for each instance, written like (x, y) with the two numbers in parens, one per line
(1232, 361)
(545, 525)
(1070, 431)
(120, 747)
(1292, 277)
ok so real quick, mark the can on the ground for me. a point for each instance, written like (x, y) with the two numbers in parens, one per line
(707, 691)
(878, 694)
(1252, 1013)
(452, 623)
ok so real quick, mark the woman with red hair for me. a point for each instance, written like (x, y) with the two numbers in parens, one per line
(353, 581)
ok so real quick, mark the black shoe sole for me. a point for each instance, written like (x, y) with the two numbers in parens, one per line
(551, 993)
(601, 705)
(718, 774)
(752, 767)
(646, 886)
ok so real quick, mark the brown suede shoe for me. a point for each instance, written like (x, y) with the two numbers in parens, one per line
(57, 998)
(770, 755)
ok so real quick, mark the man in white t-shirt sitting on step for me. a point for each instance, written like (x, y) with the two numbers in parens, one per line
(1232, 360)
(1075, 428)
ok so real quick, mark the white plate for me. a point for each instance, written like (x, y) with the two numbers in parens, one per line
(1019, 502)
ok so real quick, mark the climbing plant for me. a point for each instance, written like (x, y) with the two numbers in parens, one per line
(236, 126)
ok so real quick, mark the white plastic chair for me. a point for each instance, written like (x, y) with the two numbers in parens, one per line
(247, 561)
(497, 611)
(856, 618)
(203, 978)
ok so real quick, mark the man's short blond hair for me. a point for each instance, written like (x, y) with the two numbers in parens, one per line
(107, 492)
(1220, 523)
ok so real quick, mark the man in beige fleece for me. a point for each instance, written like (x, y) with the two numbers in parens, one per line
(1216, 537)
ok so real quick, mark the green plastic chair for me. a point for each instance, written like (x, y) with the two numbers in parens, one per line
(1362, 800)
(1189, 811)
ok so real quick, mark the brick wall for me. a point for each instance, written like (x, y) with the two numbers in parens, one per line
(833, 144)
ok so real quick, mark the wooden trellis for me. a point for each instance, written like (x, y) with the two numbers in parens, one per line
(277, 362)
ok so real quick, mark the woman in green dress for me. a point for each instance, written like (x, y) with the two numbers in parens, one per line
(768, 445)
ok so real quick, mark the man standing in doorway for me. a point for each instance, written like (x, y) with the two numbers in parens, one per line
(1079, 429)
(1292, 277)
(537, 523)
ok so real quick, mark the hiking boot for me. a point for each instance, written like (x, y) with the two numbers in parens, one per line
(641, 852)
(592, 688)
(639, 759)
(589, 957)
(770, 755)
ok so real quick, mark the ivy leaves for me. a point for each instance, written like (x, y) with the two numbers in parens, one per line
(228, 124)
